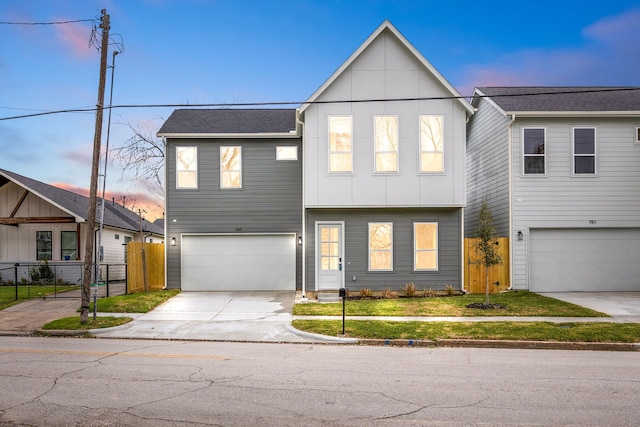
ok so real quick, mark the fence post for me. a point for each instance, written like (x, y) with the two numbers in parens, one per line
(15, 273)
(107, 280)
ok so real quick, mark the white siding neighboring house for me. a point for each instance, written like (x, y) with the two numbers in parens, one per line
(39, 221)
(560, 168)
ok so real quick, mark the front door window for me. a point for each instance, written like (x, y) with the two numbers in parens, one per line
(329, 237)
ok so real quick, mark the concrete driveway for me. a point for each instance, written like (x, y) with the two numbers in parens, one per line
(218, 316)
(612, 303)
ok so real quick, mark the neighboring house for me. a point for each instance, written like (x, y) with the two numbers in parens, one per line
(363, 186)
(560, 169)
(39, 221)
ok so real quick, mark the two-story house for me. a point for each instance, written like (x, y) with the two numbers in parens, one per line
(363, 186)
(560, 170)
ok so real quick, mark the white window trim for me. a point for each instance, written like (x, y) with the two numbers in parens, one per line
(222, 171)
(329, 152)
(280, 148)
(546, 151)
(196, 169)
(420, 171)
(375, 152)
(637, 135)
(573, 152)
(369, 269)
(436, 250)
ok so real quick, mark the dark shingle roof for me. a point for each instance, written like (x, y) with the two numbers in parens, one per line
(115, 215)
(231, 121)
(558, 99)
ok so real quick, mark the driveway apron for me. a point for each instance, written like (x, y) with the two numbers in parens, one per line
(218, 316)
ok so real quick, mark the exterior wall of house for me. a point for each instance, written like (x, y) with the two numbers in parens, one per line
(386, 69)
(270, 200)
(487, 168)
(356, 247)
(559, 199)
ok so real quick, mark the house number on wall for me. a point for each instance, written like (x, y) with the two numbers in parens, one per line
(592, 221)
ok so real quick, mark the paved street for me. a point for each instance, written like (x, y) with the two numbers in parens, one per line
(67, 381)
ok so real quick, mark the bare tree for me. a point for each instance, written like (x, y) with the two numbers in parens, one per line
(487, 244)
(142, 155)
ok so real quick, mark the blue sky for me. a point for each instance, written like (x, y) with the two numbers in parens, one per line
(235, 51)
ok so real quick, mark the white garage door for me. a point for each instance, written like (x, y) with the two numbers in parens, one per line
(238, 262)
(584, 260)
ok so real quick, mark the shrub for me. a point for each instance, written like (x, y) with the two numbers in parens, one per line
(429, 293)
(410, 290)
(450, 290)
(388, 294)
(366, 293)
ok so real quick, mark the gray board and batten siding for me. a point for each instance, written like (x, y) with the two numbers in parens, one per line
(356, 247)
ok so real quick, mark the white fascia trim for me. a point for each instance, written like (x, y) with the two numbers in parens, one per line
(294, 134)
(574, 113)
(462, 205)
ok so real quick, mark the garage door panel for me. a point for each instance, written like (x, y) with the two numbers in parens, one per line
(584, 260)
(238, 262)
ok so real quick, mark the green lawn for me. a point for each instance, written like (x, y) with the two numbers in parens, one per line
(73, 323)
(520, 303)
(8, 293)
(139, 302)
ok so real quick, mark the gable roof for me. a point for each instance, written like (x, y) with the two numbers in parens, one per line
(387, 26)
(563, 100)
(77, 206)
(206, 123)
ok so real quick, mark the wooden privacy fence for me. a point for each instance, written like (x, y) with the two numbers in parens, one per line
(474, 279)
(154, 256)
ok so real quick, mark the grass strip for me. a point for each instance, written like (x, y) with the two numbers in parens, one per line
(27, 292)
(73, 323)
(533, 331)
(139, 302)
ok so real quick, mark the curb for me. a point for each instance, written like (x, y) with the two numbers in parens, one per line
(505, 344)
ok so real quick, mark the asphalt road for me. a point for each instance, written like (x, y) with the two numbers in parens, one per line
(89, 382)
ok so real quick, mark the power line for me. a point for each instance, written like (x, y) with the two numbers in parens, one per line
(354, 101)
(46, 23)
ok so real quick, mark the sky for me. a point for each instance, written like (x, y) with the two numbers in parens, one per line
(246, 51)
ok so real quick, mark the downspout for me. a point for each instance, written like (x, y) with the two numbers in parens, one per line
(166, 239)
(304, 213)
(510, 169)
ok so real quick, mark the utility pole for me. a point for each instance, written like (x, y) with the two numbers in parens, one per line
(93, 189)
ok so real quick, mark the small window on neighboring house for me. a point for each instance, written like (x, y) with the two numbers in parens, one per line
(534, 151)
(127, 240)
(186, 167)
(380, 246)
(117, 237)
(584, 151)
(230, 167)
(68, 245)
(386, 143)
(287, 152)
(425, 246)
(44, 245)
(340, 144)
(431, 144)
(638, 135)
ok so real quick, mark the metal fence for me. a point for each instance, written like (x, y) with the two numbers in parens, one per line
(57, 280)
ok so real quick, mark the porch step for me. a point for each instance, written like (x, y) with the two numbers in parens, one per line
(331, 296)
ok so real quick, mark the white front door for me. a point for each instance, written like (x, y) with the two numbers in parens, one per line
(329, 262)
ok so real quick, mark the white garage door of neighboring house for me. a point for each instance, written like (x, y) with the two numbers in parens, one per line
(567, 260)
(265, 262)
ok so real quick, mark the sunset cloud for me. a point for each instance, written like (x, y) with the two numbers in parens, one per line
(76, 38)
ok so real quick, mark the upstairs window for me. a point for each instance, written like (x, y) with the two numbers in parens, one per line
(584, 151)
(68, 245)
(340, 144)
(431, 144)
(186, 167)
(425, 246)
(44, 245)
(230, 167)
(380, 246)
(286, 152)
(534, 151)
(386, 143)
